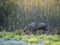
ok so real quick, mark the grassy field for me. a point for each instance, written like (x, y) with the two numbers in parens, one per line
(47, 39)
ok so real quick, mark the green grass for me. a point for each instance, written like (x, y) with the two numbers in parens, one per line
(0, 34)
(17, 37)
(33, 40)
(6, 35)
(55, 43)
(47, 39)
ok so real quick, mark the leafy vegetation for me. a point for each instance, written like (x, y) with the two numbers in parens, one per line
(47, 39)
(17, 37)
(6, 35)
(14, 15)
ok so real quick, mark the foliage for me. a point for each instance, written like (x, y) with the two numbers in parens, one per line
(16, 14)
(17, 37)
(31, 38)
(6, 35)
(0, 34)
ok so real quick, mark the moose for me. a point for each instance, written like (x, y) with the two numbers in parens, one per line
(33, 27)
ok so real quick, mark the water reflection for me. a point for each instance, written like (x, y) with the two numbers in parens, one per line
(13, 42)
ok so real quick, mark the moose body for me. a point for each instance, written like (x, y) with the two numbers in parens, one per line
(35, 26)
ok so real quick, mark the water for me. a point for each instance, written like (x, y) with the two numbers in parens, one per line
(20, 42)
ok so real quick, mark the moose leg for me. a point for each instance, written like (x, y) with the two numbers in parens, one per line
(45, 31)
(41, 31)
(33, 32)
